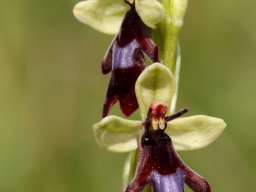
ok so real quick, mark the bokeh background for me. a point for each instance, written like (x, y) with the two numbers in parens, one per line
(52, 91)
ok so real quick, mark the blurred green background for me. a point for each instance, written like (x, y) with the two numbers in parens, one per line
(52, 91)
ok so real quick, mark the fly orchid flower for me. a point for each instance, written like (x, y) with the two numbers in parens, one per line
(159, 135)
(158, 163)
(125, 58)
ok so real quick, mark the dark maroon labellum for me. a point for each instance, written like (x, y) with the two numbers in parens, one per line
(125, 58)
(158, 163)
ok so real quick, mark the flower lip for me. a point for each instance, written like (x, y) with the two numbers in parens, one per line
(159, 165)
(125, 59)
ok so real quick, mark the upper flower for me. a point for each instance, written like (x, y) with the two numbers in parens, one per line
(156, 84)
(125, 59)
(107, 15)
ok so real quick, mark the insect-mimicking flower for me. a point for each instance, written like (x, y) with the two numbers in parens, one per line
(159, 135)
(158, 163)
(125, 58)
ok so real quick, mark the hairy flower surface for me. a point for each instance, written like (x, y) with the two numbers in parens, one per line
(106, 15)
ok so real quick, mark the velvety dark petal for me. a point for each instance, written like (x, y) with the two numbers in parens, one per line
(130, 27)
(155, 155)
(125, 58)
(168, 183)
(158, 163)
(106, 64)
(158, 149)
(128, 103)
(127, 96)
(134, 28)
(195, 181)
(150, 49)
(127, 64)
(110, 98)
(192, 179)
(136, 186)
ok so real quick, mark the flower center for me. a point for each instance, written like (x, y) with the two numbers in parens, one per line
(157, 116)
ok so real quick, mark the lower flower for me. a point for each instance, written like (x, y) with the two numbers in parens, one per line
(158, 163)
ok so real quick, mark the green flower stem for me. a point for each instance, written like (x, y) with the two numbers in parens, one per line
(177, 77)
(168, 30)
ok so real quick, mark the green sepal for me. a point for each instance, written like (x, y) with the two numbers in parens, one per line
(155, 83)
(117, 134)
(103, 15)
(150, 11)
(194, 132)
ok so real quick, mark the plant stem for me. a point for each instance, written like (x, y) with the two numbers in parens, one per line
(166, 37)
(168, 30)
